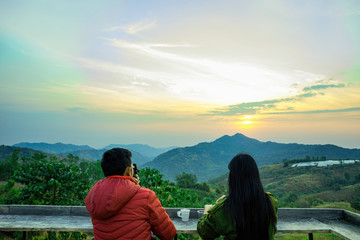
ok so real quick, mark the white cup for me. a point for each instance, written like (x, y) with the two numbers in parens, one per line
(200, 213)
(184, 214)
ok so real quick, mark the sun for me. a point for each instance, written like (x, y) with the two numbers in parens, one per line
(246, 121)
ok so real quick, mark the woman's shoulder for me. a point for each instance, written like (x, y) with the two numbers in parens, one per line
(273, 200)
(271, 196)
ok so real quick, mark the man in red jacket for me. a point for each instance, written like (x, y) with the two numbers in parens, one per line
(120, 208)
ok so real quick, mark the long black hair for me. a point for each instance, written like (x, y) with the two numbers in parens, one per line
(249, 205)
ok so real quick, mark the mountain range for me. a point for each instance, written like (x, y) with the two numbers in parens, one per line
(140, 153)
(56, 148)
(210, 159)
(24, 152)
(207, 159)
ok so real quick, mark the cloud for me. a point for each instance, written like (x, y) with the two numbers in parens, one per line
(171, 45)
(248, 108)
(204, 79)
(325, 86)
(251, 108)
(355, 109)
(149, 50)
(135, 28)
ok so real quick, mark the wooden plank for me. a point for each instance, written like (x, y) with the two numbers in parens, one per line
(4, 209)
(45, 223)
(79, 211)
(76, 218)
(308, 213)
(352, 217)
(172, 212)
(40, 210)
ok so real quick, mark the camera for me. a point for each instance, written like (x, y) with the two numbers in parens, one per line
(136, 170)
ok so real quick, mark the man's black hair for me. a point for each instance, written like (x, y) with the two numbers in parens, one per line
(115, 161)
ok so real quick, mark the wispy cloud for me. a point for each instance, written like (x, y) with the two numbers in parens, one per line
(149, 49)
(325, 86)
(251, 108)
(135, 28)
(355, 109)
(171, 45)
(281, 105)
(225, 82)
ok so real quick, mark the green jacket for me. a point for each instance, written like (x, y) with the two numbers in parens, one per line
(218, 222)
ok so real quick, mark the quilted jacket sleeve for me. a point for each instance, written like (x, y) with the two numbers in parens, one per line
(206, 227)
(161, 224)
(217, 222)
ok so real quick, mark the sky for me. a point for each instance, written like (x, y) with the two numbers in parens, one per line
(176, 73)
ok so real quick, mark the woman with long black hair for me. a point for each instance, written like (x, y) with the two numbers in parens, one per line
(248, 212)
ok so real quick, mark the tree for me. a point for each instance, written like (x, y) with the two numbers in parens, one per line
(151, 178)
(203, 186)
(9, 165)
(93, 169)
(347, 176)
(357, 178)
(186, 180)
(169, 195)
(8, 192)
(290, 198)
(51, 182)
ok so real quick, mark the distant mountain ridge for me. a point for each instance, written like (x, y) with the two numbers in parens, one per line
(145, 150)
(210, 159)
(56, 148)
(141, 153)
(24, 152)
(94, 154)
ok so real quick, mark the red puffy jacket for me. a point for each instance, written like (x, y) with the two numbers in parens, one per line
(121, 209)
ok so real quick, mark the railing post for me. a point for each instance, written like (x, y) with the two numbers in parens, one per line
(311, 237)
(25, 234)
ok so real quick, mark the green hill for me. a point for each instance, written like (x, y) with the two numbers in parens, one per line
(24, 152)
(141, 153)
(56, 148)
(94, 154)
(145, 150)
(210, 159)
(308, 186)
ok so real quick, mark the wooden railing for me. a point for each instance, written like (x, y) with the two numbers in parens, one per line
(25, 218)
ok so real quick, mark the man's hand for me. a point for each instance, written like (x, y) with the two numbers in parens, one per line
(136, 178)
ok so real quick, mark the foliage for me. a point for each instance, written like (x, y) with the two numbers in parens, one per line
(203, 186)
(308, 186)
(51, 181)
(9, 165)
(356, 202)
(169, 195)
(186, 180)
(172, 195)
(8, 192)
(93, 170)
(65, 236)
